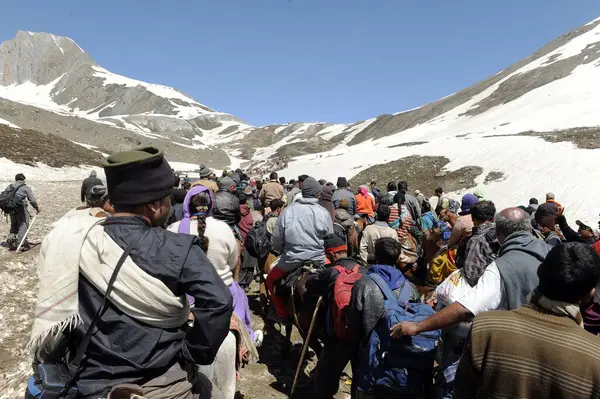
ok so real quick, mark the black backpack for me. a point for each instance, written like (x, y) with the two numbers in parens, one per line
(9, 202)
(258, 240)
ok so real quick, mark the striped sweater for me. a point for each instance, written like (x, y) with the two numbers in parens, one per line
(528, 353)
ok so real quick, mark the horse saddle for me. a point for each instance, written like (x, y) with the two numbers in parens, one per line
(283, 287)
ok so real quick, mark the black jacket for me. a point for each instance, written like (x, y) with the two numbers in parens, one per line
(124, 350)
(88, 184)
(227, 208)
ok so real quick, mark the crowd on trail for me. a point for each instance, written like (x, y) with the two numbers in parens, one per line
(143, 288)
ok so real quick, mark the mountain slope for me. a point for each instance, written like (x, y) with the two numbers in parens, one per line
(502, 126)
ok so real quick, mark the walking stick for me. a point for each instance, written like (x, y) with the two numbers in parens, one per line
(27, 232)
(305, 346)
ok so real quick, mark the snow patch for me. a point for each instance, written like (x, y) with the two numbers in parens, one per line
(5, 122)
(57, 45)
(43, 173)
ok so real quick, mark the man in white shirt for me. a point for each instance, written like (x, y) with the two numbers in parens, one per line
(505, 283)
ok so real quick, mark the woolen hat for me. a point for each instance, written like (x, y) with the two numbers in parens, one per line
(342, 182)
(204, 172)
(226, 183)
(468, 200)
(311, 188)
(138, 177)
(334, 244)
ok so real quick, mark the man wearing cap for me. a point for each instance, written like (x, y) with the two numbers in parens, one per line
(206, 179)
(88, 183)
(343, 192)
(142, 336)
(96, 200)
(464, 223)
(19, 219)
(272, 190)
(299, 237)
(336, 353)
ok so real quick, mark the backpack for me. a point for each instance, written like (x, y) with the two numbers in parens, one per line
(258, 240)
(342, 292)
(397, 366)
(9, 202)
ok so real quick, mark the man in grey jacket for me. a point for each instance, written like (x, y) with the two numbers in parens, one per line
(299, 237)
(343, 192)
(19, 220)
(411, 202)
(505, 283)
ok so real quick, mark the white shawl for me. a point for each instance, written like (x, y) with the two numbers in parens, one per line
(78, 243)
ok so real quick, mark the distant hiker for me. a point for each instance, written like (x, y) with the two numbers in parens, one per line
(414, 206)
(428, 218)
(436, 200)
(399, 218)
(479, 194)
(511, 354)
(15, 201)
(206, 179)
(374, 232)
(271, 218)
(482, 247)
(343, 192)
(340, 345)
(299, 243)
(550, 197)
(504, 284)
(301, 180)
(545, 217)
(464, 223)
(282, 181)
(227, 206)
(532, 207)
(293, 190)
(96, 200)
(326, 200)
(420, 198)
(392, 189)
(272, 190)
(88, 183)
(147, 312)
(322, 182)
(218, 243)
(365, 204)
(376, 192)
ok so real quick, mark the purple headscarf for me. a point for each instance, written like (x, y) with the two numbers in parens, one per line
(184, 225)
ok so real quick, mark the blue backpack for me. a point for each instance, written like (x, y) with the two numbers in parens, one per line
(397, 366)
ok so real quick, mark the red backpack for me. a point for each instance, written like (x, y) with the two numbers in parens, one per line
(342, 292)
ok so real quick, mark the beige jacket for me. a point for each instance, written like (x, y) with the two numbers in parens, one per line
(371, 234)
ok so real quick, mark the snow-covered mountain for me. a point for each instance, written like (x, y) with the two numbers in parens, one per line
(532, 126)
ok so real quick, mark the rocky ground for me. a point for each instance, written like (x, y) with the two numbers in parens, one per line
(270, 378)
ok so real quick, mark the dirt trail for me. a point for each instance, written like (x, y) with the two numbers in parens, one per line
(270, 378)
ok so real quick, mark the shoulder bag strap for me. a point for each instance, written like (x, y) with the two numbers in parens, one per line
(88, 335)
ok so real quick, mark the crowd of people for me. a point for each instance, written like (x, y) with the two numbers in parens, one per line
(424, 297)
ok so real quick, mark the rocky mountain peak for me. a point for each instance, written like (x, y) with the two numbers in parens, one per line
(39, 58)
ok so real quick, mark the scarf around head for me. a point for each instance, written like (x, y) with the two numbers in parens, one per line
(363, 191)
(184, 225)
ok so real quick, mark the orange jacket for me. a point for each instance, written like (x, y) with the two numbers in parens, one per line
(364, 205)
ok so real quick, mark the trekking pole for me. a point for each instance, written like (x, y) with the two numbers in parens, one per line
(27, 232)
(305, 345)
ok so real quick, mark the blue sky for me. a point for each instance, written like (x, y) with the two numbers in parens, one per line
(275, 61)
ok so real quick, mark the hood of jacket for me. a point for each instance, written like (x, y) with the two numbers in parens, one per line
(193, 192)
(389, 274)
(344, 218)
(307, 201)
(525, 242)
(326, 193)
